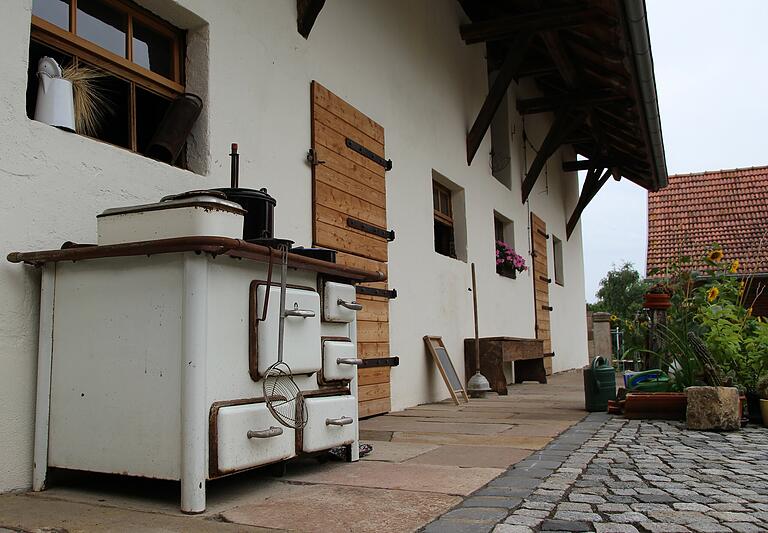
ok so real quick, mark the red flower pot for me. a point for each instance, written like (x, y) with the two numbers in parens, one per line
(657, 301)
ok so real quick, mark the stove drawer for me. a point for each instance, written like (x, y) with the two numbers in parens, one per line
(339, 360)
(301, 350)
(248, 436)
(331, 421)
(339, 303)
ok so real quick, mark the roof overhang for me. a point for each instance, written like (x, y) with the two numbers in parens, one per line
(591, 62)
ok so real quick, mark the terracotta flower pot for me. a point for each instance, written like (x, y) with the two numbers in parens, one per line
(657, 301)
(656, 405)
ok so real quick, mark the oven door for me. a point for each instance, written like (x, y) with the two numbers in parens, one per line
(248, 435)
(339, 303)
(301, 345)
(331, 422)
(339, 360)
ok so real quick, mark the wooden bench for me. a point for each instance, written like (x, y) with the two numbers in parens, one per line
(527, 356)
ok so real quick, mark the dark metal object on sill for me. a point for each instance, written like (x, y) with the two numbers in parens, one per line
(174, 128)
(370, 228)
(379, 361)
(372, 291)
(323, 254)
(365, 152)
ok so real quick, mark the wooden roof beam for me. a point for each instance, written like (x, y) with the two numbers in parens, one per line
(545, 19)
(496, 93)
(545, 104)
(592, 184)
(307, 12)
(563, 125)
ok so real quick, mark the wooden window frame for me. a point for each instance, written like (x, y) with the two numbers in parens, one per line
(446, 219)
(68, 42)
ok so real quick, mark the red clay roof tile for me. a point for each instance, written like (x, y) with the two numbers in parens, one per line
(727, 207)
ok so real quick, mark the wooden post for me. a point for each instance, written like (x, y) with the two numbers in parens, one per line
(477, 334)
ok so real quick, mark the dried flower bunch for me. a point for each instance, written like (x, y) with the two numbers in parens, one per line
(91, 104)
(506, 256)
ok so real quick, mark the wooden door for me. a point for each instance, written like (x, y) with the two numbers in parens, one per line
(541, 283)
(349, 186)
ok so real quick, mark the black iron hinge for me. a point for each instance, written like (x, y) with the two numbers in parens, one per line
(382, 293)
(547, 280)
(370, 228)
(379, 361)
(547, 307)
(365, 152)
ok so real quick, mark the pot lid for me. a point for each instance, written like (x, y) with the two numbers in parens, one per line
(211, 200)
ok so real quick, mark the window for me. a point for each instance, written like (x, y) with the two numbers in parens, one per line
(139, 55)
(504, 231)
(443, 210)
(557, 252)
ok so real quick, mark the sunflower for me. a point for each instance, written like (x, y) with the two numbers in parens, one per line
(614, 318)
(712, 294)
(715, 255)
(734, 266)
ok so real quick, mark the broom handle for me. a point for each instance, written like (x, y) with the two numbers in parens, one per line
(474, 304)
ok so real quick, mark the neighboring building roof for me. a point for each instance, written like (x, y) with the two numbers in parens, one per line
(727, 207)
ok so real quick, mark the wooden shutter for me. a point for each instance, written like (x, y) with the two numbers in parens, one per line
(348, 185)
(541, 286)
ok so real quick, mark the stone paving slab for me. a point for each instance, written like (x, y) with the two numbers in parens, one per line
(506, 439)
(314, 508)
(609, 474)
(472, 456)
(396, 452)
(398, 476)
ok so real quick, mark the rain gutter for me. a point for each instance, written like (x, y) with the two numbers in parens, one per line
(636, 20)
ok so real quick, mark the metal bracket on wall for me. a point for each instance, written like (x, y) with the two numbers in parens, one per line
(379, 361)
(382, 293)
(365, 152)
(313, 159)
(370, 228)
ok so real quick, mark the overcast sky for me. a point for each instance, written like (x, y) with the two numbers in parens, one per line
(711, 63)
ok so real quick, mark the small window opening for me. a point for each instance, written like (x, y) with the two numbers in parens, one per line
(504, 232)
(138, 56)
(445, 243)
(557, 252)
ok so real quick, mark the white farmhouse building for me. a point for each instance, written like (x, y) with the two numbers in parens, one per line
(528, 94)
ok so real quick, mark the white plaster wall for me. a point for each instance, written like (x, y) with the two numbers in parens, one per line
(402, 63)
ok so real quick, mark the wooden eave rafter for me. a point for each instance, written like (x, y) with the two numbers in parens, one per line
(580, 64)
(306, 14)
(592, 184)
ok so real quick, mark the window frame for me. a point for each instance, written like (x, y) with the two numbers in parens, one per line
(557, 261)
(441, 191)
(69, 42)
(501, 223)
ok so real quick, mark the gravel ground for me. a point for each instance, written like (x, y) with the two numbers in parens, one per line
(608, 474)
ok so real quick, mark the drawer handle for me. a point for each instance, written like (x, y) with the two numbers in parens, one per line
(265, 433)
(354, 306)
(349, 361)
(303, 313)
(343, 421)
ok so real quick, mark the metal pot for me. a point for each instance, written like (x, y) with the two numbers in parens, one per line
(259, 207)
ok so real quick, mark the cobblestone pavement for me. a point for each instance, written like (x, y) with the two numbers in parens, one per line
(608, 474)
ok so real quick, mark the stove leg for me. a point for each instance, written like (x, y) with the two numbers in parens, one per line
(44, 366)
(194, 413)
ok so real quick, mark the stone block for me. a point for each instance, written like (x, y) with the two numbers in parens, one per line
(713, 409)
